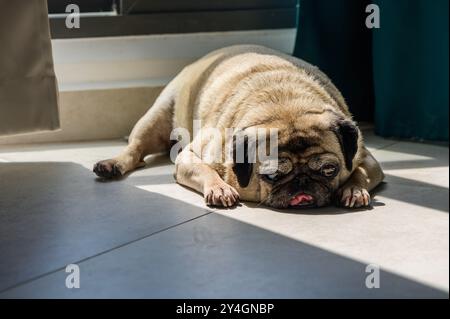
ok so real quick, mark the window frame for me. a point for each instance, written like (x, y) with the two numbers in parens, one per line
(169, 17)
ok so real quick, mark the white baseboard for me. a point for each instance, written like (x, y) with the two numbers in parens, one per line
(134, 61)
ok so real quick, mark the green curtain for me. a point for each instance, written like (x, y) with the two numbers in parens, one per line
(397, 75)
(333, 36)
(411, 69)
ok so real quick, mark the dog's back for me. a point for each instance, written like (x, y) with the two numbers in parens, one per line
(204, 85)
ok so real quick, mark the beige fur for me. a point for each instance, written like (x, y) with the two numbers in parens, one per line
(240, 87)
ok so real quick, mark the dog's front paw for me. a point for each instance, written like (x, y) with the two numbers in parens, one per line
(107, 169)
(221, 195)
(354, 197)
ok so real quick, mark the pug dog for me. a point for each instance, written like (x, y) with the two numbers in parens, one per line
(321, 155)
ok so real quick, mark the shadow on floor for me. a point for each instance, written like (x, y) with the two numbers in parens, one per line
(133, 243)
(411, 164)
(415, 192)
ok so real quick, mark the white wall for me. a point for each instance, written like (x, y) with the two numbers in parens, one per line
(106, 84)
(99, 63)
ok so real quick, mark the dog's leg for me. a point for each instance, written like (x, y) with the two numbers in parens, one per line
(150, 135)
(355, 191)
(191, 172)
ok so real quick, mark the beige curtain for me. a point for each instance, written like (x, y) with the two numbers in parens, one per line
(28, 87)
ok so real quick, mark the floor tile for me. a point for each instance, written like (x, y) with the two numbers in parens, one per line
(406, 233)
(374, 142)
(53, 214)
(84, 153)
(218, 257)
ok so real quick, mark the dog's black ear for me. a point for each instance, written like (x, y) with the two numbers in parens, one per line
(242, 166)
(347, 134)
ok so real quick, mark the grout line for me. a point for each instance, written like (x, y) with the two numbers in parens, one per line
(385, 146)
(102, 253)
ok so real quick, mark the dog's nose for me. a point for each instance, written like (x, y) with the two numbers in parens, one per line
(301, 179)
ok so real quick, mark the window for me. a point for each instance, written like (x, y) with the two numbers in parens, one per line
(59, 6)
(100, 18)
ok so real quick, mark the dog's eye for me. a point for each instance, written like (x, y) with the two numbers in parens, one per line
(284, 165)
(328, 170)
(272, 177)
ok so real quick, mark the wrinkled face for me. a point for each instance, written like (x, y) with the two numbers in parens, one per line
(315, 154)
(312, 162)
(300, 181)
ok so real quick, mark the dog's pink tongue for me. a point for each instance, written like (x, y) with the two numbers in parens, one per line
(300, 198)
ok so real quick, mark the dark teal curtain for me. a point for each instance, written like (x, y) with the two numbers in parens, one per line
(411, 69)
(397, 75)
(333, 36)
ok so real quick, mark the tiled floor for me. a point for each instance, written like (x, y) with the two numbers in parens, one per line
(145, 236)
